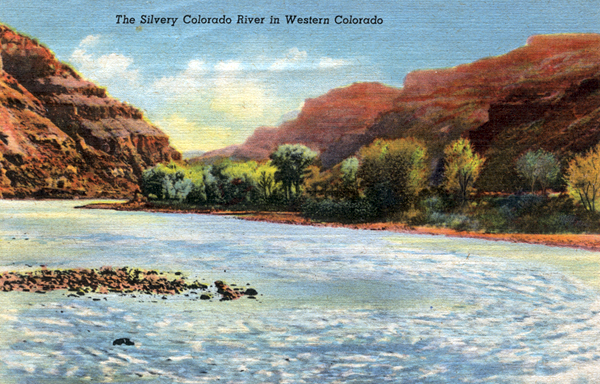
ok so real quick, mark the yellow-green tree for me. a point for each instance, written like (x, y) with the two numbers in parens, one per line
(462, 168)
(393, 173)
(583, 178)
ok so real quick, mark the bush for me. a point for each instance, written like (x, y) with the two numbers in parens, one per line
(433, 204)
(456, 221)
(344, 211)
(535, 214)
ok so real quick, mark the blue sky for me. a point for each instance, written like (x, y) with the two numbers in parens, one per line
(209, 86)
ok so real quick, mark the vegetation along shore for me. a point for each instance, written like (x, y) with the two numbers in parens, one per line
(389, 185)
(578, 241)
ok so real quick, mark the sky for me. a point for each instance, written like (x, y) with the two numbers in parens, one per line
(208, 86)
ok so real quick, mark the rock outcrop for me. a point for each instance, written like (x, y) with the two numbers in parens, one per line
(63, 136)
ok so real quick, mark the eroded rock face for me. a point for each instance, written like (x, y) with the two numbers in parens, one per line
(62, 136)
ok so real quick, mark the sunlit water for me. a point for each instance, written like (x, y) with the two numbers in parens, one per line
(337, 305)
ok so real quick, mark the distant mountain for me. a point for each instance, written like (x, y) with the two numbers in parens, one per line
(328, 123)
(62, 136)
(542, 95)
(291, 115)
(191, 154)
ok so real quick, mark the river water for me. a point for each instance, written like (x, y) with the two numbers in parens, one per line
(335, 306)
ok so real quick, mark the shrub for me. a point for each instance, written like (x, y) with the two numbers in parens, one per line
(456, 221)
(345, 211)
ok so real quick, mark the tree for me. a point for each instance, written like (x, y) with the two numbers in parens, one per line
(349, 172)
(462, 168)
(583, 178)
(165, 182)
(291, 160)
(265, 178)
(393, 173)
(538, 166)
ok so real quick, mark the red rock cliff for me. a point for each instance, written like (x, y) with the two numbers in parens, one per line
(62, 136)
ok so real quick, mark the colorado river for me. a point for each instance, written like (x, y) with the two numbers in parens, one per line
(335, 304)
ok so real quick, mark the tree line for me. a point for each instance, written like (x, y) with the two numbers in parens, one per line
(386, 180)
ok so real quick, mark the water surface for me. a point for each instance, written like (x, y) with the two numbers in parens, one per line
(337, 305)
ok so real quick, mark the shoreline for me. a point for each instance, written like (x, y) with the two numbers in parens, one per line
(589, 242)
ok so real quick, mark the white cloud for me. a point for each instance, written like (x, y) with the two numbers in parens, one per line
(296, 59)
(240, 99)
(89, 41)
(105, 68)
(196, 66)
(328, 62)
(293, 57)
(190, 80)
(228, 66)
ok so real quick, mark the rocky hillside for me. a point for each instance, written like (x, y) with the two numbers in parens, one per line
(62, 136)
(542, 95)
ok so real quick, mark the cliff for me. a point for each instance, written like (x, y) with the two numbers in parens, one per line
(62, 136)
(542, 95)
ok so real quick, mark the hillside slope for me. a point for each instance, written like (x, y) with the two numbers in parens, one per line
(62, 136)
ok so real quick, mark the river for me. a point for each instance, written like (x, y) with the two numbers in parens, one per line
(335, 305)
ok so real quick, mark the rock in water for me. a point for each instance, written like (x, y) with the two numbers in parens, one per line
(123, 341)
(226, 292)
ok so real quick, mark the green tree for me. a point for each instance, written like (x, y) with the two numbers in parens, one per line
(538, 166)
(462, 167)
(165, 182)
(393, 173)
(583, 178)
(291, 161)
